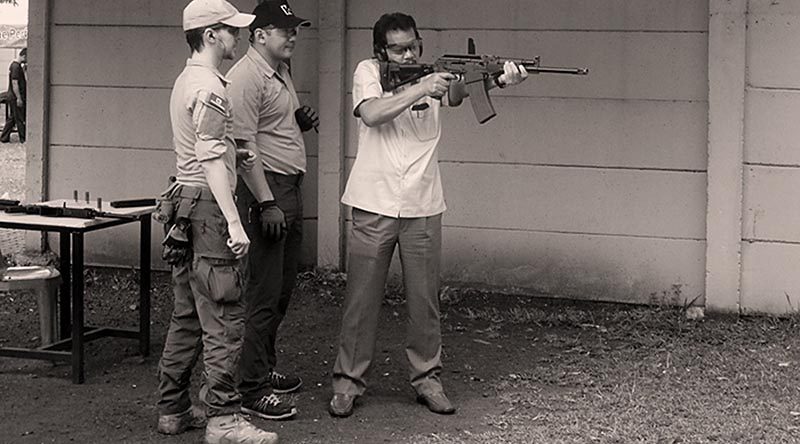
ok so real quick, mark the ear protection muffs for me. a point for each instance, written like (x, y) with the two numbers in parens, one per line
(380, 53)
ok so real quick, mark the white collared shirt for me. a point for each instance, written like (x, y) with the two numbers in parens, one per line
(396, 172)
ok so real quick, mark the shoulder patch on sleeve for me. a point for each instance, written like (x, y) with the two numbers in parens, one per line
(217, 102)
(210, 115)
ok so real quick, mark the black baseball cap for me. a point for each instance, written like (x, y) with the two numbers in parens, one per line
(278, 14)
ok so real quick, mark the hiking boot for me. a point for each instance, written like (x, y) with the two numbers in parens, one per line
(281, 383)
(270, 407)
(437, 403)
(234, 429)
(177, 423)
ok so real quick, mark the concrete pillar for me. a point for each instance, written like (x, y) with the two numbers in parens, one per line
(38, 100)
(332, 95)
(38, 110)
(726, 89)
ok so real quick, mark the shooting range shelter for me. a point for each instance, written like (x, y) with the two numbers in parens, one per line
(669, 173)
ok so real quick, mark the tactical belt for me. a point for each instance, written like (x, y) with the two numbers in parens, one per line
(196, 193)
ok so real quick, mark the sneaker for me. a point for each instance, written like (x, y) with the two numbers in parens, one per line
(270, 407)
(234, 429)
(284, 384)
(177, 423)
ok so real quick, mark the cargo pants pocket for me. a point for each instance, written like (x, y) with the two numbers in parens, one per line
(222, 278)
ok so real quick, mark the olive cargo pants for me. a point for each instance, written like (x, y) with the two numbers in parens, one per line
(208, 316)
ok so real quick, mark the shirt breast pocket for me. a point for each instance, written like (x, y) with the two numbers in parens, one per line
(424, 120)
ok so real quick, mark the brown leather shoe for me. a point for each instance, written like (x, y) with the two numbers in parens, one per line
(341, 405)
(437, 403)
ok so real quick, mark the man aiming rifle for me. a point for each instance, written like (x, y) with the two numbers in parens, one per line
(474, 70)
(396, 194)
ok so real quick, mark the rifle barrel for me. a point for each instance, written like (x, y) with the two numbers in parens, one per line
(555, 70)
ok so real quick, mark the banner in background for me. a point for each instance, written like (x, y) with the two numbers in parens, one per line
(13, 36)
(13, 23)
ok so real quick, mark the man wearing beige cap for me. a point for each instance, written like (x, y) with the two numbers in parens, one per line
(206, 239)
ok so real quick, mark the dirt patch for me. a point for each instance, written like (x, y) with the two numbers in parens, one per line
(520, 370)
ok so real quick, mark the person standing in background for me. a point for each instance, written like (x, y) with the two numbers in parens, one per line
(16, 98)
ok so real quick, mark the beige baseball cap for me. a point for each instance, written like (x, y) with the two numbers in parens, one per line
(202, 13)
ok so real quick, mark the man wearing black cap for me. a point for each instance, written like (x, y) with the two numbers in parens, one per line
(269, 121)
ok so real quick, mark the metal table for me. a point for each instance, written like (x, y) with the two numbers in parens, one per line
(72, 332)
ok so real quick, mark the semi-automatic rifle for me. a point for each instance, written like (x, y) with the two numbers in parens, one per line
(474, 69)
(13, 206)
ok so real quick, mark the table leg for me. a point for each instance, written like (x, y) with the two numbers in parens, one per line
(144, 285)
(65, 291)
(77, 308)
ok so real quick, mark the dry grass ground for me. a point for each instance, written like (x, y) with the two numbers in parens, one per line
(645, 374)
(520, 369)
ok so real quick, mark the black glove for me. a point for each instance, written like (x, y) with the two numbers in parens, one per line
(273, 221)
(306, 118)
(177, 247)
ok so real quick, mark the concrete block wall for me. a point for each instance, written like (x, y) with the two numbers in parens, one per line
(583, 187)
(771, 172)
(111, 72)
(597, 187)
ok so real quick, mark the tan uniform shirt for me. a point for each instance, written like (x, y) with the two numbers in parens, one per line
(265, 101)
(202, 121)
(396, 172)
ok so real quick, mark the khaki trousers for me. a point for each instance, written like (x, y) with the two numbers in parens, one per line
(208, 319)
(371, 247)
